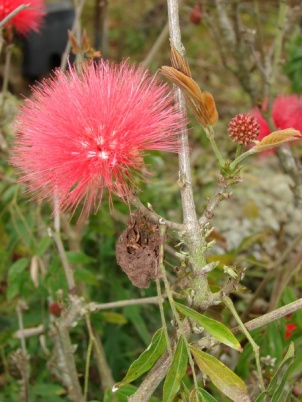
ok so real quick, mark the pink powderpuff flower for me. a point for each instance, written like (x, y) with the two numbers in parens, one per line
(26, 20)
(286, 113)
(82, 133)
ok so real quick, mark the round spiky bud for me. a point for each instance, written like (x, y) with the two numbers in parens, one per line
(243, 128)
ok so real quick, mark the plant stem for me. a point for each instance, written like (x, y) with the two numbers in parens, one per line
(121, 303)
(25, 372)
(56, 235)
(272, 316)
(74, 30)
(66, 266)
(8, 56)
(211, 136)
(241, 157)
(219, 195)
(107, 380)
(87, 365)
(156, 46)
(238, 150)
(162, 315)
(74, 390)
(21, 325)
(189, 211)
(228, 302)
(193, 239)
(134, 200)
(283, 9)
(162, 229)
(12, 14)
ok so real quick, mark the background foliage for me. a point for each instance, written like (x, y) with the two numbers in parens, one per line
(252, 231)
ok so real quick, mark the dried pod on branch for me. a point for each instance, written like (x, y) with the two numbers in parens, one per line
(137, 250)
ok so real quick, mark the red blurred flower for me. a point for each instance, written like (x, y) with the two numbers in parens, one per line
(196, 14)
(286, 113)
(26, 20)
(289, 329)
(80, 134)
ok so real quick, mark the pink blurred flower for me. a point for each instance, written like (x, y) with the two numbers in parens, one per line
(26, 20)
(81, 134)
(286, 113)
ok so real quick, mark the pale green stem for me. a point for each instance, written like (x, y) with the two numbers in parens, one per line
(283, 10)
(211, 136)
(107, 380)
(161, 252)
(162, 229)
(240, 158)
(228, 302)
(56, 235)
(238, 151)
(88, 357)
(163, 319)
(8, 57)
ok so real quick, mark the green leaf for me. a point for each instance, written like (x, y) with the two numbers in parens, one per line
(261, 397)
(43, 245)
(122, 394)
(288, 358)
(16, 277)
(146, 360)
(221, 376)
(48, 389)
(176, 372)
(134, 315)
(281, 375)
(215, 328)
(206, 396)
(287, 398)
(108, 396)
(113, 317)
(195, 396)
(78, 257)
(84, 275)
(17, 267)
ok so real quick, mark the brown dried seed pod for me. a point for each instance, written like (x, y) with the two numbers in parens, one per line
(137, 250)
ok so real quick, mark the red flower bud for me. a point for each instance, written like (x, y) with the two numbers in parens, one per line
(196, 14)
(243, 128)
(55, 309)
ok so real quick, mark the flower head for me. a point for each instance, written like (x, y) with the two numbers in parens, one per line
(243, 128)
(26, 20)
(82, 133)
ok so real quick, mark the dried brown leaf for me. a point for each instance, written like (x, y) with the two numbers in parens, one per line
(179, 62)
(85, 42)
(277, 138)
(210, 107)
(184, 82)
(75, 47)
(202, 104)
